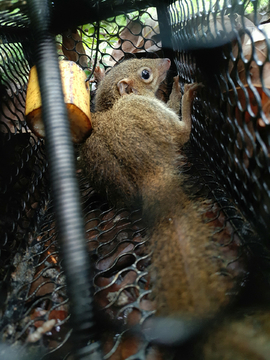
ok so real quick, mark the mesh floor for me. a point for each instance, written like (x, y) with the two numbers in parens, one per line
(117, 242)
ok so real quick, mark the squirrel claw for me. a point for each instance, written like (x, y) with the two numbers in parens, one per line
(190, 89)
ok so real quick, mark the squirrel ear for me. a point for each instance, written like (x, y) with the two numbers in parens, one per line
(125, 87)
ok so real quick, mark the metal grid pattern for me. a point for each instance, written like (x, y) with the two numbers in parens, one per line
(222, 48)
(117, 243)
(35, 273)
(24, 185)
(100, 45)
(116, 237)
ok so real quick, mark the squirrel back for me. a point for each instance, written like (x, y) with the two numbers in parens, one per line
(134, 134)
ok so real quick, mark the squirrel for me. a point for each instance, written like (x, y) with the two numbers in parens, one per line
(131, 156)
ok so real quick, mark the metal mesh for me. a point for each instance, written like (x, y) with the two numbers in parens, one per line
(32, 275)
(115, 237)
(231, 125)
(105, 43)
(116, 241)
(24, 187)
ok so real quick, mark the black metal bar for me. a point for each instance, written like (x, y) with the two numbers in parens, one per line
(64, 185)
(165, 28)
(66, 15)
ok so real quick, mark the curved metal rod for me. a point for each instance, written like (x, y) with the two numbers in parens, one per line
(64, 185)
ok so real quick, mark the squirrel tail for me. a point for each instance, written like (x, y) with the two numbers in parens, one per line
(186, 264)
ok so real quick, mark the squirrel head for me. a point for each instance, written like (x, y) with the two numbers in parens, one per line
(135, 76)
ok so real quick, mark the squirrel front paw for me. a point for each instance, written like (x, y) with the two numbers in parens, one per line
(175, 96)
(176, 89)
(190, 90)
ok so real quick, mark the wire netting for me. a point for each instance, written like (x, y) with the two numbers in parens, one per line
(24, 184)
(227, 163)
(231, 126)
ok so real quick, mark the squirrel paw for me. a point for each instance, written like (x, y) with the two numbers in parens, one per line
(176, 90)
(190, 89)
(175, 96)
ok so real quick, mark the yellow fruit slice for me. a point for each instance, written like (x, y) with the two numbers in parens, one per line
(77, 98)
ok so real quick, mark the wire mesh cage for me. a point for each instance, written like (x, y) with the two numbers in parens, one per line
(237, 72)
(223, 46)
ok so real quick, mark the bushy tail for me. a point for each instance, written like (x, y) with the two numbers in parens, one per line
(186, 264)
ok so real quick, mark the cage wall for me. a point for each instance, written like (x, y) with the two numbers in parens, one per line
(226, 48)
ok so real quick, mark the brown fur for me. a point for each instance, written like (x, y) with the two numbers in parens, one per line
(131, 156)
(186, 264)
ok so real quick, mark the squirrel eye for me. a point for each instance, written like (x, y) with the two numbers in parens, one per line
(145, 74)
